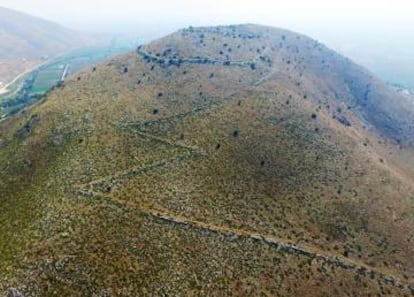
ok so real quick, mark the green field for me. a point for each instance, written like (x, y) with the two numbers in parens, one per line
(47, 78)
(50, 75)
(35, 84)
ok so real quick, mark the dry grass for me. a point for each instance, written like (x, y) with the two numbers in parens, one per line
(228, 147)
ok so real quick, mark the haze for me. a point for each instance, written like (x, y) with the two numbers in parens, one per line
(375, 34)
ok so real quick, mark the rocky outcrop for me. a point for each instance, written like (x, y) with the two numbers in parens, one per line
(12, 292)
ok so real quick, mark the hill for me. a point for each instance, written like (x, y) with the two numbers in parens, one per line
(27, 41)
(223, 161)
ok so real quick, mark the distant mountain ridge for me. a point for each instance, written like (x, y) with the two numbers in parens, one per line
(26, 40)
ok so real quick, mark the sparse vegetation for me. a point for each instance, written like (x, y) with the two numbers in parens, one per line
(188, 184)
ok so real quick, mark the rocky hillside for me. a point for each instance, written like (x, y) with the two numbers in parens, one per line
(25, 40)
(224, 161)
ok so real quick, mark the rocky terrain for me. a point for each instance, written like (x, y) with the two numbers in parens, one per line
(219, 161)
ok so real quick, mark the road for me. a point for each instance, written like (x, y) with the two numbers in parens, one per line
(4, 89)
(65, 72)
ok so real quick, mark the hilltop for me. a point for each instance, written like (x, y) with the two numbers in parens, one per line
(27, 41)
(219, 161)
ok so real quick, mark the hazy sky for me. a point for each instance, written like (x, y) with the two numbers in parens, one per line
(112, 15)
(363, 30)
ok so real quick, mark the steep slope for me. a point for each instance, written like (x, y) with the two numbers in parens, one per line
(26, 39)
(216, 161)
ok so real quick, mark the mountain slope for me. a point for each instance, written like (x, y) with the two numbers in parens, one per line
(215, 161)
(26, 39)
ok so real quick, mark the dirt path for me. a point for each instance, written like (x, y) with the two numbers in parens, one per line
(199, 60)
(307, 251)
(101, 189)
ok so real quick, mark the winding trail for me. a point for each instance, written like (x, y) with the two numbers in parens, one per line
(283, 245)
(195, 60)
(101, 189)
(188, 153)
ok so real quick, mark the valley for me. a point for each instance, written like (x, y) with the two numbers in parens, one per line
(32, 84)
(29, 42)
